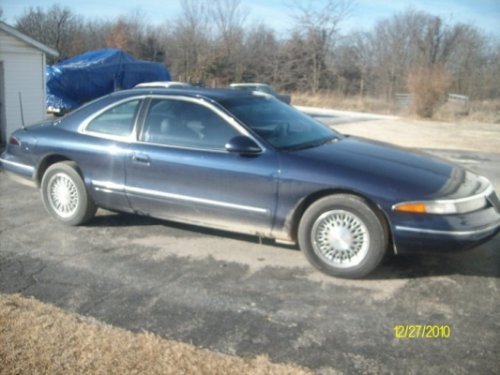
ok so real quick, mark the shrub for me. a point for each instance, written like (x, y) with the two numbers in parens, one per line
(428, 88)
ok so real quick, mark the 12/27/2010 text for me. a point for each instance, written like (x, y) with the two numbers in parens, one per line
(422, 331)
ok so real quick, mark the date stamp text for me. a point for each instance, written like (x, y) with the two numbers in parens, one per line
(422, 331)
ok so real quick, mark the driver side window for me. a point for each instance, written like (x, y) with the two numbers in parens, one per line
(186, 124)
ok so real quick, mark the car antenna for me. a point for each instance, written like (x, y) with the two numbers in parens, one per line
(22, 112)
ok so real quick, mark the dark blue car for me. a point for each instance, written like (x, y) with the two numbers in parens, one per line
(246, 162)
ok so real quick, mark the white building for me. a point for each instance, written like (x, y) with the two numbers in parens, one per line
(22, 70)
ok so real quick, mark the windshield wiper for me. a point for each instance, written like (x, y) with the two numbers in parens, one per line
(304, 146)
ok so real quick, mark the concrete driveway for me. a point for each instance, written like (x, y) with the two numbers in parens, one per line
(238, 295)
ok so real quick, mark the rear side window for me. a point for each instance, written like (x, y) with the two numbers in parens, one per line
(116, 121)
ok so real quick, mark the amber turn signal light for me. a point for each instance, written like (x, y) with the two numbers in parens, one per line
(414, 207)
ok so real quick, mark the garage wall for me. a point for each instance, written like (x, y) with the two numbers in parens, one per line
(24, 71)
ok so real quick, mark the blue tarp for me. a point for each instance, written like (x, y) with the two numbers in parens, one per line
(85, 77)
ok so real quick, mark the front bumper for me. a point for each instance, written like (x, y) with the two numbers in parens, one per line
(444, 233)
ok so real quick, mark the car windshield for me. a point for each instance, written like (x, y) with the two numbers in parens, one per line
(281, 125)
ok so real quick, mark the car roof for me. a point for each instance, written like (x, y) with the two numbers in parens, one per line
(165, 84)
(248, 84)
(195, 92)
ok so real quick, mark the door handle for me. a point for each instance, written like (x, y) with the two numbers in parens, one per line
(141, 158)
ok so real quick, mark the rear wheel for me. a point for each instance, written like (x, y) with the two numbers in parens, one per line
(64, 194)
(342, 236)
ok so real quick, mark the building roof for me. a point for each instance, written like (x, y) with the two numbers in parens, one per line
(32, 42)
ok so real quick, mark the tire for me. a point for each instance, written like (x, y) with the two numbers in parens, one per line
(64, 194)
(342, 236)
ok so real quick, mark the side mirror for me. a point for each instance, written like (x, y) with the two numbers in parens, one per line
(243, 145)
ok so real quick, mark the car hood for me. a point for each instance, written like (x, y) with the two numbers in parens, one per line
(390, 170)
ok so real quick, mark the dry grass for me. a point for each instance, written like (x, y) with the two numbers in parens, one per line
(37, 338)
(428, 87)
(336, 101)
(487, 111)
(478, 111)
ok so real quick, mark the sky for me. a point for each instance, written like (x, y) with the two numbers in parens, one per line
(484, 14)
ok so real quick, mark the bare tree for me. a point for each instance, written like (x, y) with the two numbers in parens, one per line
(417, 43)
(229, 18)
(128, 33)
(188, 42)
(153, 44)
(260, 57)
(293, 73)
(363, 48)
(488, 84)
(93, 35)
(318, 26)
(470, 62)
(55, 27)
(395, 50)
(120, 36)
(353, 64)
(438, 41)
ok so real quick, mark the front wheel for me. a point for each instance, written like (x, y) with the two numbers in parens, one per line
(64, 194)
(342, 236)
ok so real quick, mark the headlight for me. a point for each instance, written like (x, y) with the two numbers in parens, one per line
(446, 206)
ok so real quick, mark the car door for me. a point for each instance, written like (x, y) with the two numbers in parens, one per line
(180, 170)
(103, 146)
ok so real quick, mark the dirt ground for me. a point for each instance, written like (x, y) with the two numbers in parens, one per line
(413, 133)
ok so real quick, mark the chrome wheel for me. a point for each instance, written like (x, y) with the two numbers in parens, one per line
(63, 195)
(340, 238)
